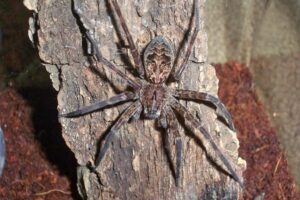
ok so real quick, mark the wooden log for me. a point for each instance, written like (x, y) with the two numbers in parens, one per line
(136, 165)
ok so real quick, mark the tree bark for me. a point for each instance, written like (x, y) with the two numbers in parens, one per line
(136, 165)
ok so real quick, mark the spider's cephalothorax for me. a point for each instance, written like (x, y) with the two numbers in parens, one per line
(155, 98)
(158, 63)
(158, 60)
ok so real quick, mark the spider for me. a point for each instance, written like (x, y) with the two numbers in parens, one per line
(151, 96)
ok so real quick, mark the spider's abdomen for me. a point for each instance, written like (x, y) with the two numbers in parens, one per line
(153, 98)
(158, 60)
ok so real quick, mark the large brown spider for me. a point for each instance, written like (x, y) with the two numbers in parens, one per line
(152, 96)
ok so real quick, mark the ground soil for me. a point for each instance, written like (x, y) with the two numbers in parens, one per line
(39, 166)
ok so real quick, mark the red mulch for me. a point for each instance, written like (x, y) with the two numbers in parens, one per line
(27, 173)
(267, 170)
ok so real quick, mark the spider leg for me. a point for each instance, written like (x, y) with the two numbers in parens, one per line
(174, 129)
(196, 22)
(202, 96)
(124, 118)
(211, 148)
(99, 56)
(126, 96)
(137, 114)
(169, 123)
(134, 51)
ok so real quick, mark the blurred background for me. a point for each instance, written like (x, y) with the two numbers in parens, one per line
(262, 34)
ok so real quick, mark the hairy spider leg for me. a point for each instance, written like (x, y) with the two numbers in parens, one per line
(196, 21)
(168, 141)
(202, 96)
(124, 118)
(133, 49)
(211, 148)
(107, 63)
(123, 97)
(103, 60)
(174, 130)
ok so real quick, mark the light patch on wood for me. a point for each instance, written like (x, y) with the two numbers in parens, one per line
(31, 5)
(136, 163)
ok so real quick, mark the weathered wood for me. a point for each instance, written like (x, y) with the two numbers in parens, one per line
(136, 165)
